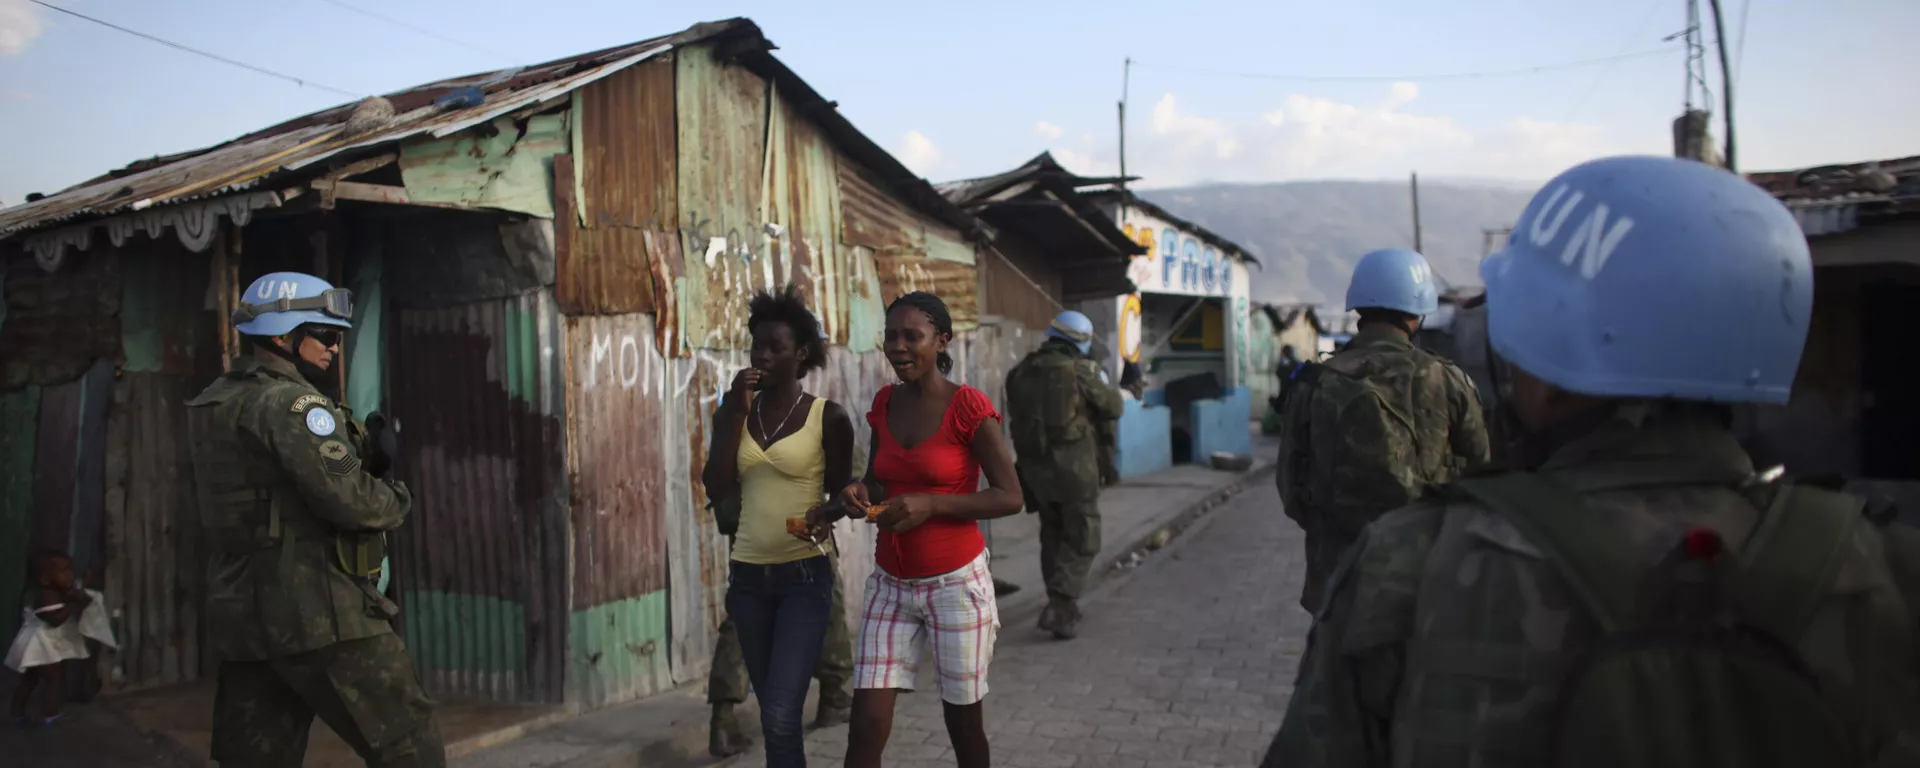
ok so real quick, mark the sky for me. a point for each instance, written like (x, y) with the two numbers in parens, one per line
(961, 90)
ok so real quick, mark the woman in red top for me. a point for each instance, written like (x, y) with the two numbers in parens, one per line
(932, 438)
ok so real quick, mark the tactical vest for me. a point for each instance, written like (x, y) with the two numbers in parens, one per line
(280, 579)
(1049, 413)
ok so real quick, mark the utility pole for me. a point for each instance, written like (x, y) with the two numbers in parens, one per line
(1126, 82)
(1726, 79)
(1416, 210)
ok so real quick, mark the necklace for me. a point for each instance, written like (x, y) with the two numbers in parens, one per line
(760, 415)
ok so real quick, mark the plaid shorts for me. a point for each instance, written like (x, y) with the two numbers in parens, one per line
(955, 613)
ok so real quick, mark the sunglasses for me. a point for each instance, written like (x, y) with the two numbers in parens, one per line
(328, 337)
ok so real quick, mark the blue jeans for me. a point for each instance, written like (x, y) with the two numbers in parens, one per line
(781, 614)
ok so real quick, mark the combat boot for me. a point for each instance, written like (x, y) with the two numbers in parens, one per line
(834, 709)
(1065, 624)
(724, 737)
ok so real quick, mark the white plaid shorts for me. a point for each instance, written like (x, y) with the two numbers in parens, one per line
(955, 613)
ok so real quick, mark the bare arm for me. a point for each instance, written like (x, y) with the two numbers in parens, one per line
(722, 473)
(1002, 495)
(721, 476)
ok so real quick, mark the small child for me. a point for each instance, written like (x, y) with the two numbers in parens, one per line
(51, 633)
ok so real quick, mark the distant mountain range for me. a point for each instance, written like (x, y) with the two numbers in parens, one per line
(1308, 234)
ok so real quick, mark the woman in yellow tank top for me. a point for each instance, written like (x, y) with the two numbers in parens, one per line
(779, 449)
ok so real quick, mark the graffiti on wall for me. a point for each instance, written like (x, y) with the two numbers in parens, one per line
(1176, 261)
(1130, 328)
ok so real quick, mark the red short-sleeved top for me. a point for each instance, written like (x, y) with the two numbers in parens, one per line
(944, 464)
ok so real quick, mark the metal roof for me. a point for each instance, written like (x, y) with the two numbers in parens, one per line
(1832, 199)
(439, 109)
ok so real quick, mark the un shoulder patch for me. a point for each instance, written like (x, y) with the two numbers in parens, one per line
(320, 422)
(337, 458)
(304, 402)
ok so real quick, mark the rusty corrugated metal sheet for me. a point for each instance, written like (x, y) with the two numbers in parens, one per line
(482, 562)
(804, 194)
(1007, 293)
(155, 575)
(873, 218)
(955, 283)
(616, 385)
(627, 133)
(303, 141)
(626, 171)
(722, 147)
(58, 324)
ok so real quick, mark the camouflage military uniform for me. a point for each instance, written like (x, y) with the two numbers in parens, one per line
(1333, 500)
(1055, 406)
(1445, 622)
(285, 501)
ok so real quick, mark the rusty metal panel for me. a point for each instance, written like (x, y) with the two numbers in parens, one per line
(722, 143)
(155, 578)
(628, 134)
(955, 283)
(481, 564)
(1006, 292)
(872, 217)
(616, 386)
(598, 270)
(58, 324)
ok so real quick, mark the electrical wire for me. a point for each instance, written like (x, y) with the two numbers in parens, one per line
(1652, 8)
(304, 83)
(1536, 69)
(423, 31)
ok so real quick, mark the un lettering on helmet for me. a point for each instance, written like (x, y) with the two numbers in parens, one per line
(1592, 242)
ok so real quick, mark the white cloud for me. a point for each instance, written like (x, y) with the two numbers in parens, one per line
(19, 25)
(917, 153)
(1048, 131)
(1306, 136)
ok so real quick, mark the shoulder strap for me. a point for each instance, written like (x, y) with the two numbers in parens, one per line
(1790, 562)
(1594, 557)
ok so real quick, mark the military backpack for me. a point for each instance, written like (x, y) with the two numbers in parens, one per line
(1696, 664)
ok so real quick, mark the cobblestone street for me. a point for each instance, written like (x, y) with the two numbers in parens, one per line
(1187, 662)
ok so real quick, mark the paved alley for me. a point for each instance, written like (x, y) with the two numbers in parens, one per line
(1188, 662)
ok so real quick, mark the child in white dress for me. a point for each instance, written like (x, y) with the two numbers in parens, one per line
(58, 617)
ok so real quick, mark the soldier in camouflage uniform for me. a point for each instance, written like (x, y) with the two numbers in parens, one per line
(1056, 404)
(727, 680)
(1638, 296)
(294, 509)
(1367, 430)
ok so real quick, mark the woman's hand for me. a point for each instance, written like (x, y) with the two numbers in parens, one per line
(853, 499)
(906, 513)
(820, 519)
(742, 390)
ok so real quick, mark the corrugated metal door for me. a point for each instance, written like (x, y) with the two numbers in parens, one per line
(482, 563)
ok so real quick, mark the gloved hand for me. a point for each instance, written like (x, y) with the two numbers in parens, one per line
(383, 444)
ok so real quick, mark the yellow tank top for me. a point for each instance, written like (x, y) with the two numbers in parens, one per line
(782, 481)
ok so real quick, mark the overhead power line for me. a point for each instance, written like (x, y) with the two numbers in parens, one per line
(1536, 69)
(304, 83)
(1601, 76)
(423, 31)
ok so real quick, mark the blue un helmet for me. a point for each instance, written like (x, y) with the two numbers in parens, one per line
(279, 302)
(1396, 279)
(1072, 327)
(1653, 277)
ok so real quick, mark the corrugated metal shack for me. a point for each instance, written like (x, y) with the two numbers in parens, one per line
(1854, 410)
(1052, 249)
(550, 264)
